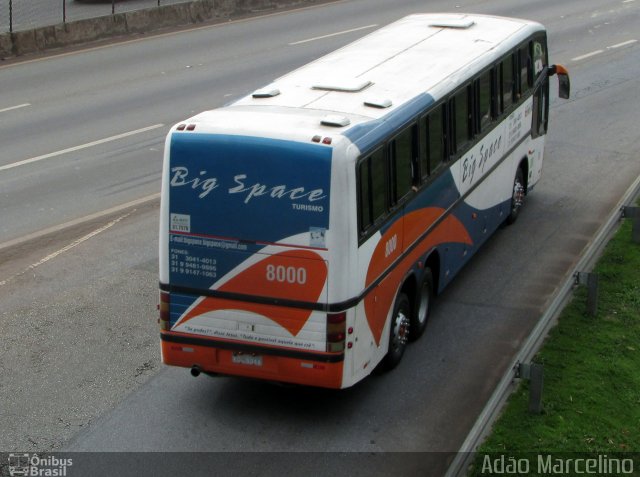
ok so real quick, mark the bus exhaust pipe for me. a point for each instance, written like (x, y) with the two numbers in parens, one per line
(195, 371)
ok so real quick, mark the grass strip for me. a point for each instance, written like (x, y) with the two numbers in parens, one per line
(591, 397)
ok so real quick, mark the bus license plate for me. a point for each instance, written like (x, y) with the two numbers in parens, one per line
(252, 360)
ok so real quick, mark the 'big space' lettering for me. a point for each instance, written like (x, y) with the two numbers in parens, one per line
(204, 185)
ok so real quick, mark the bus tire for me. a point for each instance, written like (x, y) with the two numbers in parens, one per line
(398, 332)
(419, 319)
(517, 196)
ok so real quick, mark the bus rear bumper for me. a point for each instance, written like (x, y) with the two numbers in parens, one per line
(230, 358)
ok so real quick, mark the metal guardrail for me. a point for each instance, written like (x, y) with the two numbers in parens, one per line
(505, 387)
(18, 15)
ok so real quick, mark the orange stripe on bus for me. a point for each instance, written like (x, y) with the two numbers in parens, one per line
(264, 279)
(378, 303)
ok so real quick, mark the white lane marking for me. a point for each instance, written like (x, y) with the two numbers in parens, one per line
(72, 223)
(624, 43)
(597, 52)
(628, 1)
(78, 148)
(11, 108)
(332, 34)
(73, 244)
(588, 55)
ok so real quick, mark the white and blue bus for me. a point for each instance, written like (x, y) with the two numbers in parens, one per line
(305, 228)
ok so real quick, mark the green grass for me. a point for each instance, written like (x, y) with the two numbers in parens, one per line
(591, 394)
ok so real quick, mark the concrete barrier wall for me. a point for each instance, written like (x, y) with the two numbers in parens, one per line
(139, 21)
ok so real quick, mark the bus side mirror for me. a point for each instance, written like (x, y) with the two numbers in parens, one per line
(564, 84)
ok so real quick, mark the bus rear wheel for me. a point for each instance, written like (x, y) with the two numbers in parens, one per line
(517, 196)
(399, 332)
(418, 321)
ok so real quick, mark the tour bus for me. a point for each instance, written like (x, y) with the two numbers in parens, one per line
(306, 228)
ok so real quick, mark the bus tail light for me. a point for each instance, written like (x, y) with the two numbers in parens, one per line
(336, 331)
(164, 311)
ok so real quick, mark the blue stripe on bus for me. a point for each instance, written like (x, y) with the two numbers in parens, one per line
(480, 224)
(440, 193)
(367, 136)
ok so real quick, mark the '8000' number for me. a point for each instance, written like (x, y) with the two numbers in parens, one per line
(282, 274)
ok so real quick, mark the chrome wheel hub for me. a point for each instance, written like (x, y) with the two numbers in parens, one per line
(400, 330)
(518, 195)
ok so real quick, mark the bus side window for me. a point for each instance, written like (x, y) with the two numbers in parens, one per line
(483, 101)
(526, 78)
(462, 119)
(378, 185)
(364, 197)
(403, 161)
(424, 154)
(372, 202)
(539, 57)
(435, 138)
(506, 83)
(541, 95)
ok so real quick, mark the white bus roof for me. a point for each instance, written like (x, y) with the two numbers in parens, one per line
(422, 54)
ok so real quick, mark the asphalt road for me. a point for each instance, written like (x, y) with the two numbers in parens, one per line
(83, 132)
